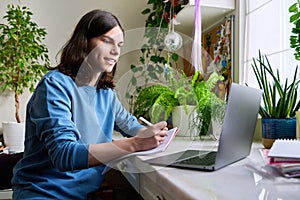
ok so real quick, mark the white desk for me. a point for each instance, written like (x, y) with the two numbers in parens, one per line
(236, 181)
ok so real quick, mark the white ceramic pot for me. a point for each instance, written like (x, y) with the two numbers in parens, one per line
(180, 119)
(14, 136)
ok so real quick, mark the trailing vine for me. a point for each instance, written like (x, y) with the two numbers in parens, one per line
(295, 20)
(153, 57)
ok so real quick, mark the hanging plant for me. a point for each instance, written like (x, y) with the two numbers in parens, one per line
(295, 20)
(153, 55)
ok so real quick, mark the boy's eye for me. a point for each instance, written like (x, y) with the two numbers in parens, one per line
(106, 40)
(111, 41)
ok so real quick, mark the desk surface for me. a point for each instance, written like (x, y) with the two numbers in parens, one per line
(245, 179)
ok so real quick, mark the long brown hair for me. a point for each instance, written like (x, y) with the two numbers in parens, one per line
(93, 24)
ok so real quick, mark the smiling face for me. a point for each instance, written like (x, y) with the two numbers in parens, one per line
(105, 50)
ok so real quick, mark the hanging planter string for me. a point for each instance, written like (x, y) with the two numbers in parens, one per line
(196, 50)
(173, 40)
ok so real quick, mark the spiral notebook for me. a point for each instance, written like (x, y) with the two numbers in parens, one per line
(160, 148)
(285, 149)
(284, 155)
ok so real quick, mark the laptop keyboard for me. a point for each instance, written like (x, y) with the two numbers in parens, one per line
(205, 159)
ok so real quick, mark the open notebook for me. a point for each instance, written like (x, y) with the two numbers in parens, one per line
(160, 148)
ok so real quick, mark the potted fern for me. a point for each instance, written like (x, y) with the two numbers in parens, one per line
(23, 58)
(192, 97)
(279, 104)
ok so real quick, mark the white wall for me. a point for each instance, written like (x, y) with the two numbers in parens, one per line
(59, 17)
(272, 38)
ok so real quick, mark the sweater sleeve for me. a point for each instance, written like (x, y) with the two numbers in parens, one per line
(50, 111)
(125, 122)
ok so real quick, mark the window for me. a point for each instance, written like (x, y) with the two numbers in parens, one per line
(268, 29)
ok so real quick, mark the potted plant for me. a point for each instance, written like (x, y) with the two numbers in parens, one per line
(159, 95)
(193, 95)
(280, 103)
(23, 58)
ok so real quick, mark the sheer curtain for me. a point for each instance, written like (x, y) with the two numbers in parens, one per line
(268, 29)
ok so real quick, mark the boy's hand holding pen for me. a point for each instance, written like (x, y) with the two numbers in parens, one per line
(149, 123)
(145, 121)
(154, 133)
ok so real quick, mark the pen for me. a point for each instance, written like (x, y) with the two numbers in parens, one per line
(145, 121)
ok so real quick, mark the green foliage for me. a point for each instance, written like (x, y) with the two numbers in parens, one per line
(295, 20)
(209, 105)
(157, 15)
(157, 22)
(182, 87)
(21, 52)
(153, 102)
(156, 102)
(153, 54)
(279, 100)
(163, 106)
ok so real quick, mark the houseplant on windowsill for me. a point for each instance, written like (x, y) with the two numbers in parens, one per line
(279, 104)
(21, 55)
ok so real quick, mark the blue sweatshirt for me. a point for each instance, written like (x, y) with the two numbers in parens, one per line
(62, 119)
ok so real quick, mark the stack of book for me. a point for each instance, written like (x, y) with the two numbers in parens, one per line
(285, 156)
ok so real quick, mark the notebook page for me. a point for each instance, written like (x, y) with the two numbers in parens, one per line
(285, 149)
(162, 147)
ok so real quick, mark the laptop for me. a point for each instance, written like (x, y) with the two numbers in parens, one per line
(235, 140)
